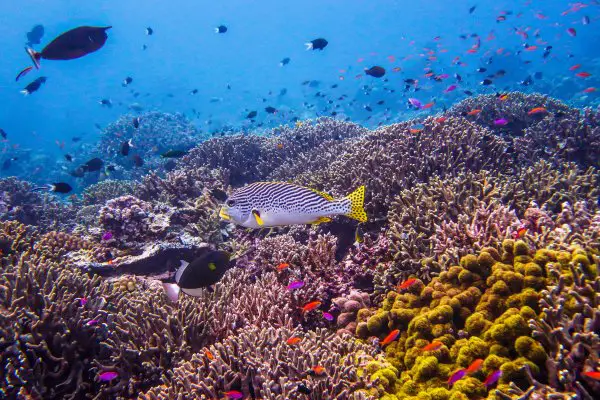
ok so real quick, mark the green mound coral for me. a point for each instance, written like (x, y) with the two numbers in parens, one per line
(480, 309)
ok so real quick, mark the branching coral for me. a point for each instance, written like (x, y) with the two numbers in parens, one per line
(258, 362)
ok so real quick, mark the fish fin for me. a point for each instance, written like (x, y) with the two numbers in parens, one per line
(223, 214)
(172, 291)
(182, 266)
(216, 30)
(193, 292)
(25, 92)
(321, 220)
(325, 195)
(257, 217)
(35, 57)
(357, 205)
(309, 46)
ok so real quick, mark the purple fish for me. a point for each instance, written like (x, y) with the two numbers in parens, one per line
(457, 376)
(107, 235)
(450, 88)
(327, 316)
(92, 322)
(492, 378)
(501, 122)
(443, 76)
(108, 376)
(295, 285)
(414, 102)
(82, 301)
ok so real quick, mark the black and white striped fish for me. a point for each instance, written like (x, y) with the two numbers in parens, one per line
(265, 204)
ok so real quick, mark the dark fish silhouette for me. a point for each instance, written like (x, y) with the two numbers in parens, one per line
(34, 86)
(59, 187)
(221, 29)
(317, 44)
(375, 72)
(173, 154)
(72, 44)
(202, 272)
(35, 35)
(95, 164)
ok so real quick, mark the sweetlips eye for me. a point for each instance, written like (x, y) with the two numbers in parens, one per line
(231, 203)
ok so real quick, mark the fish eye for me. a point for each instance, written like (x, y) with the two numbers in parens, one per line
(231, 203)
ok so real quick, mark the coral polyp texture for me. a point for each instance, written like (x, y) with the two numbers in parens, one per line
(492, 309)
(475, 277)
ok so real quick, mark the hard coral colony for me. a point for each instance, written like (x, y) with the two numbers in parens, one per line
(476, 275)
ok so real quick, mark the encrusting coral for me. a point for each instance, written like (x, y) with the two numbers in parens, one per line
(489, 307)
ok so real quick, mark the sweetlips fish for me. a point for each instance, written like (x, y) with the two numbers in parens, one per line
(266, 204)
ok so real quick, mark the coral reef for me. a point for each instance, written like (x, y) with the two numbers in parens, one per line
(19, 203)
(490, 307)
(259, 363)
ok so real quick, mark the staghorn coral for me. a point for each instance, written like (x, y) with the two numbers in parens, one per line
(258, 362)
(391, 159)
(570, 320)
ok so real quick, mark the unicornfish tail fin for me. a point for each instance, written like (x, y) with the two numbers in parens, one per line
(357, 205)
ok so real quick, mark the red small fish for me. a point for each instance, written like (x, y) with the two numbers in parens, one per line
(428, 105)
(233, 394)
(208, 354)
(572, 32)
(589, 90)
(433, 346)
(293, 340)
(441, 120)
(396, 69)
(530, 48)
(407, 283)
(474, 112)
(311, 306)
(24, 72)
(575, 67)
(317, 369)
(391, 337)
(282, 266)
(475, 366)
(583, 74)
(503, 97)
(537, 110)
(592, 374)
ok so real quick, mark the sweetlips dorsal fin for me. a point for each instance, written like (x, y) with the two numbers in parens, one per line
(323, 194)
(182, 266)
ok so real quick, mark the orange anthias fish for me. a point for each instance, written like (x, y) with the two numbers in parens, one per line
(589, 90)
(537, 110)
(503, 97)
(592, 374)
(317, 369)
(575, 67)
(433, 346)
(475, 366)
(282, 266)
(441, 120)
(293, 340)
(407, 283)
(428, 105)
(474, 112)
(583, 74)
(209, 355)
(391, 337)
(311, 306)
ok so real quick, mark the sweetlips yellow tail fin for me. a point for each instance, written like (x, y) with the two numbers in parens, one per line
(357, 205)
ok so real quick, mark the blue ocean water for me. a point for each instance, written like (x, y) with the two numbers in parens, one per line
(240, 69)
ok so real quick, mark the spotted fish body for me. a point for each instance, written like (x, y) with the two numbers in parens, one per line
(266, 204)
